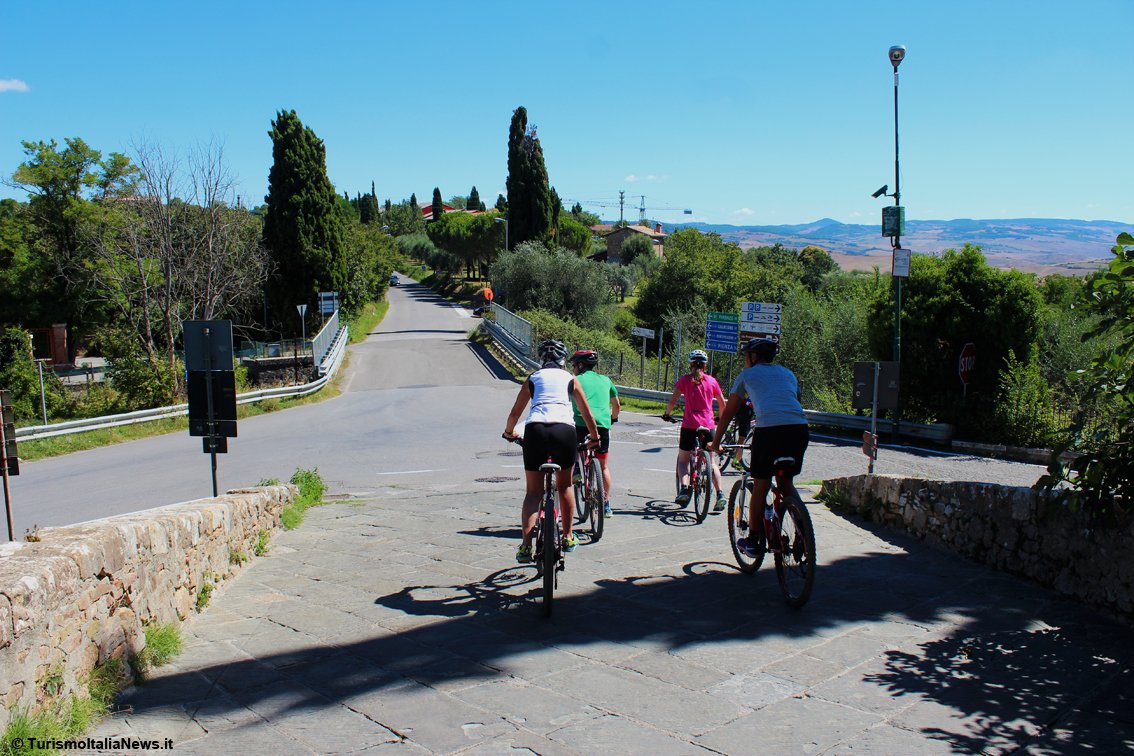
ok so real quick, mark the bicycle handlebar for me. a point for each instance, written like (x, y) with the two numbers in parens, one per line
(517, 440)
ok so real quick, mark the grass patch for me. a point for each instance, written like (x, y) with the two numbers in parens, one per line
(643, 406)
(367, 320)
(163, 642)
(311, 490)
(261, 547)
(204, 594)
(66, 718)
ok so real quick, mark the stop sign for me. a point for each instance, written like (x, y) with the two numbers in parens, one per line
(966, 362)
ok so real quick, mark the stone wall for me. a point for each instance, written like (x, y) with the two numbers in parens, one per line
(1016, 530)
(80, 595)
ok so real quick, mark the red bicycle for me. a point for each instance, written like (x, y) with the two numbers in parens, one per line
(700, 472)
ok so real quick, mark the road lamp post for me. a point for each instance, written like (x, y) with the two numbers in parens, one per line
(897, 54)
(505, 222)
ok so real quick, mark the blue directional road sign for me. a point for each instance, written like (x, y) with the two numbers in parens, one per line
(722, 331)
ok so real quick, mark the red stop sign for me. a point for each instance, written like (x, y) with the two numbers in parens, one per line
(966, 362)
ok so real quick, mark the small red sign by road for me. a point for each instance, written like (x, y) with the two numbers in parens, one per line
(966, 362)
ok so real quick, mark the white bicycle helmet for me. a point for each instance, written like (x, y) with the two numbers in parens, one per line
(698, 355)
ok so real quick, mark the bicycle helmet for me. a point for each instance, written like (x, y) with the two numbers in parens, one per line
(765, 349)
(698, 355)
(588, 357)
(551, 350)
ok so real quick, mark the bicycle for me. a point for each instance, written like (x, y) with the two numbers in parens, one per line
(787, 527)
(589, 494)
(700, 472)
(739, 456)
(547, 537)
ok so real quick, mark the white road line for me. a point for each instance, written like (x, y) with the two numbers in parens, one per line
(654, 469)
(409, 472)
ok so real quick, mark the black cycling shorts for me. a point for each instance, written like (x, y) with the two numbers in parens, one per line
(768, 444)
(688, 438)
(543, 440)
(603, 437)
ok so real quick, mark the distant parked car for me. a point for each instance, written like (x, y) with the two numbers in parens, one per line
(394, 280)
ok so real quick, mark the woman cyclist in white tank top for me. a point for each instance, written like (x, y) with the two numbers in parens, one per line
(549, 433)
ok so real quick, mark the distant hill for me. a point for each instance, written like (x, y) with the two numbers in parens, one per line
(1039, 245)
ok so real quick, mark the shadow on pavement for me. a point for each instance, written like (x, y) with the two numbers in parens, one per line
(1002, 659)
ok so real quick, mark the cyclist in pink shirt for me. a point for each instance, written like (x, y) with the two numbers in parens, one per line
(699, 389)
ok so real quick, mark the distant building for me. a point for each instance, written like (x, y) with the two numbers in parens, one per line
(427, 211)
(617, 236)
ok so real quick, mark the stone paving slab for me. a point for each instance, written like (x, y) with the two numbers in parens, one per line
(400, 624)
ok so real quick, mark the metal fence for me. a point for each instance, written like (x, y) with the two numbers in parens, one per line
(323, 340)
(521, 331)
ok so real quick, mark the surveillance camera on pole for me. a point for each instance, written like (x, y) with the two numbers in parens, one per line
(897, 55)
(881, 192)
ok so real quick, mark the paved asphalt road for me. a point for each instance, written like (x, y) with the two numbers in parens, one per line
(421, 408)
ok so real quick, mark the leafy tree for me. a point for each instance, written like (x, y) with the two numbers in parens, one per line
(584, 217)
(817, 263)
(574, 236)
(949, 301)
(403, 218)
(501, 204)
(370, 261)
(638, 244)
(20, 376)
(460, 203)
(531, 276)
(304, 231)
(1101, 473)
(438, 207)
(25, 277)
(529, 194)
(474, 199)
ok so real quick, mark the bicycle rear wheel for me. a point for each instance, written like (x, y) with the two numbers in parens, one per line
(739, 527)
(550, 554)
(702, 487)
(795, 559)
(577, 474)
(596, 496)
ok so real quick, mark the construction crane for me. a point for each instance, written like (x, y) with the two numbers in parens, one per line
(620, 203)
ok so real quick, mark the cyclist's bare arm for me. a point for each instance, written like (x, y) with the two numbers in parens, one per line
(729, 411)
(522, 399)
(672, 403)
(615, 408)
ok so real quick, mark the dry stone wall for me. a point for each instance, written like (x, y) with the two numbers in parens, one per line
(1016, 530)
(82, 594)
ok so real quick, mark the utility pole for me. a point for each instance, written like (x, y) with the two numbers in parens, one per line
(642, 211)
(621, 202)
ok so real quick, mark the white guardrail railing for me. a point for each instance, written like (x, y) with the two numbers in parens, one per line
(938, 433)
(326, 370)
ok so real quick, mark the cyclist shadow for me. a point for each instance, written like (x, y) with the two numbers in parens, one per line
(669, 513)
(462, 600)
(489, 531)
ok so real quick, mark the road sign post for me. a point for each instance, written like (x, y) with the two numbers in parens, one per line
(645, 333)
(965, 364)
(721, 331)
(211, 385)
(760, 320)
(9, 461)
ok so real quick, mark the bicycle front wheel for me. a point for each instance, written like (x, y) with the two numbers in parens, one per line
(795, 559)
(740, 528)
(596, 496)
(550, 553)
(702, 487)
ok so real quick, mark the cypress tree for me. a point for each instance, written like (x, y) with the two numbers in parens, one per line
(304, 230)
(501, 203)
(438, 205)
(529, 198)
(474, 200)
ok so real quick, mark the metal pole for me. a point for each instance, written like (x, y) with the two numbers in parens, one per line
(874, 422)
(642, 366)
(897, 244)
(42, 395)
(209, 405)
(4, 472)
(661, 333)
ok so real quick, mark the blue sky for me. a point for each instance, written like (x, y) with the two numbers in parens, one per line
(747, 113)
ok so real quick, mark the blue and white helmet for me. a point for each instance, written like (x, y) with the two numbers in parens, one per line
(699, 355)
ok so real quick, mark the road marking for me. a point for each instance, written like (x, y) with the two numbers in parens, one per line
(654, 469)
(409, 472)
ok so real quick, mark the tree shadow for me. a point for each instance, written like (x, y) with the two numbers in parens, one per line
(997, 660)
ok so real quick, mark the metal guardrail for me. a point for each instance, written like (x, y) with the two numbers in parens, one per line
(324, 340)
(938, 433)
(326, 369)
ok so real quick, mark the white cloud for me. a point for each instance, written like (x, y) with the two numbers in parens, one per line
(13, 85)
(632, 178)
(744, 211)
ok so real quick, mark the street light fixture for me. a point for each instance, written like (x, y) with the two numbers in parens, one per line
(505, 222)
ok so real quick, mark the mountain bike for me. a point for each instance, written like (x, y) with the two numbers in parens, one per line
(700, 472)
(547, 539)
(589, 494)
(739, 454)
(786, 526)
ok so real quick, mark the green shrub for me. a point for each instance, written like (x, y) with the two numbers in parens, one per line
(163, 642)
(311, 489)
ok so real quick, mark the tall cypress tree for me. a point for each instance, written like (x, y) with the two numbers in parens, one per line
(438, 205)
(529, 198)
(474, 200)
(304, 230)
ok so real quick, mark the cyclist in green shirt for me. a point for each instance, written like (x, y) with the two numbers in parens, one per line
(602, 397)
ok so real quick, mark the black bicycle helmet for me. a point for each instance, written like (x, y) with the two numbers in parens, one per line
(766, 349)
(587, 357)
(551, 350)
